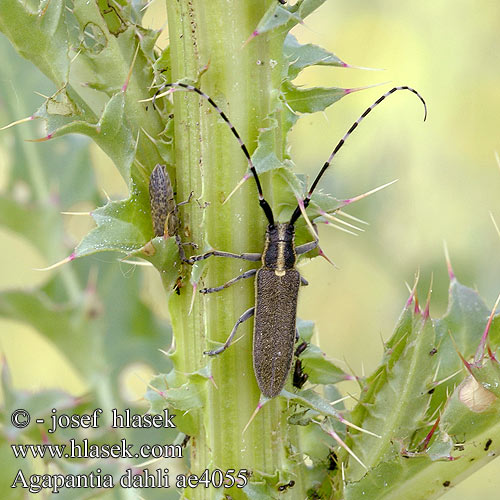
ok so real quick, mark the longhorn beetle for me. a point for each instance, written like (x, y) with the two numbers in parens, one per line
(276, 281)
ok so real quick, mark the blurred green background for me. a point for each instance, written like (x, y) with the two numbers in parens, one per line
(449, 183)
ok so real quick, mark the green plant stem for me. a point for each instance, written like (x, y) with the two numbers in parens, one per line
(209, 162)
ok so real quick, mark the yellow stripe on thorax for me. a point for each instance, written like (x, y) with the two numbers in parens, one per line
(280, 262)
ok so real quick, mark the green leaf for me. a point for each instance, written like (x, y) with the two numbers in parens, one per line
(182, 397)
(112, 132)
(470, 412)
(259, 491)
(402, 400)
(307, 7)
(320, 369)
(310, 399)
(302, 56)
(316, 444)
(39, 36)
(305, 328)
(163, 253)
(279, 16)
(487, 373)
(123, 226)
(264, 156)
(311, 100)
(459, 329)
(276, 16)
(398, 409)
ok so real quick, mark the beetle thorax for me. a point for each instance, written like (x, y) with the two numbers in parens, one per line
(279, 249)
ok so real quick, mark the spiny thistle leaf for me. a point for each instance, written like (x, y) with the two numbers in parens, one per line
(264, 156)
(424, 431)
(279, 16)
(181, 394)
(312, 99)
(112, 132)
(302, 56)
(121, 226)
(39, 36)
(320, 369)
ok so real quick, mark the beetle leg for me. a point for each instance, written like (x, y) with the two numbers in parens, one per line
(306, 247)
(179, 244)
(186, 201)
(303, 281)
(247, 274)
(247, 314)
(189, 244)
(254, 257)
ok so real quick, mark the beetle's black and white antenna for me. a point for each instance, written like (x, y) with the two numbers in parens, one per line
(263, 203)
(305, 202)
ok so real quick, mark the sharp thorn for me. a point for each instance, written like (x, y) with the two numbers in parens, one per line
(195, 286)
(480, 349)
(211, 378)
(254, 414)
(41, 139)
(340, 228)
(243, 180)
(348, 201)
(353, 426)
(339, 440)
(451, 274)
(323, 254)
(75, 213)
(464, 361)
(340, 221)
(57, 264)
(425, 442)
(107, 195)
(146, 5)
(254, 34)
(349, 216)
(428, 302)
(413, 292)
(357, 89)
(449, 377)
(129, 75)
(306, 218)
(136, 262)
(364, 68)
(73, 59)
(17, 122)
(495, 223)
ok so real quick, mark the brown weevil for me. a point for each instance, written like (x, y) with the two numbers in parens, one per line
(163, 206)
(164, 209)
(277, 281)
